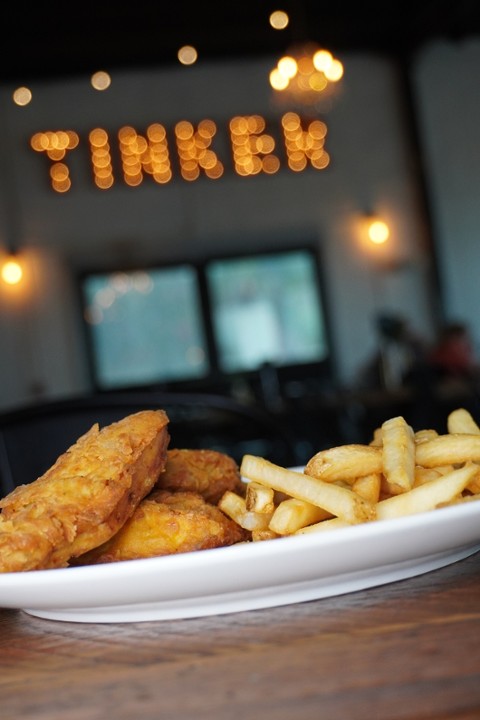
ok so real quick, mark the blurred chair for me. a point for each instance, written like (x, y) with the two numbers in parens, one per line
(32, 438)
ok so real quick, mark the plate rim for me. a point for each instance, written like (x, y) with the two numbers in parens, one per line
(463, 517)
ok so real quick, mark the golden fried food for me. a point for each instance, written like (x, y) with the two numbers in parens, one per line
(207, 472)
(166, 523)
(86, 496)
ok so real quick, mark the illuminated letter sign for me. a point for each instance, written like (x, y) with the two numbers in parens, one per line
(256, 148)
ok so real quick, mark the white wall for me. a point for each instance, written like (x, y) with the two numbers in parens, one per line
(448, 101)
(371, 169)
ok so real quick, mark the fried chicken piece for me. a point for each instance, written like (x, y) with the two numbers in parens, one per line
(86, 496)
(207, 472)
(166, 523)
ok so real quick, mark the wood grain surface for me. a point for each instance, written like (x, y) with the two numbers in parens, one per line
(407, 650)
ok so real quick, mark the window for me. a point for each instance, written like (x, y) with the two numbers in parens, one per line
(266, 308)
(145, 326)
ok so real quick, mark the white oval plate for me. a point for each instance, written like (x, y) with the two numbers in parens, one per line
(249, 576)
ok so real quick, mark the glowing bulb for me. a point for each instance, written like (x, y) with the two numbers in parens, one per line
(322, 60)
(334, 73)
(100, 80)
(12, 272)
(287, 66)
(378, 232)
(22, 96)
(187, 55)
(277, 80)
(279, 20)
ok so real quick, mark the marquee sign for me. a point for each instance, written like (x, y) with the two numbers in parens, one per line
(250, 145)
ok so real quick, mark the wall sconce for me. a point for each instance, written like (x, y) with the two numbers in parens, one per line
(378, 232)
(11, 271)
(376, 240)
(374, 235)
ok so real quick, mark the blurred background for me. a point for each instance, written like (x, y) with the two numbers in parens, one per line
(187, 211)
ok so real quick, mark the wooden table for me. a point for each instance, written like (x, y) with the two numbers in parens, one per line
(410, 649)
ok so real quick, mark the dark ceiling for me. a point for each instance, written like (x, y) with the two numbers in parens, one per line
(60, 39)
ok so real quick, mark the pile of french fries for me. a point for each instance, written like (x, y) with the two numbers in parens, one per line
(400, 472)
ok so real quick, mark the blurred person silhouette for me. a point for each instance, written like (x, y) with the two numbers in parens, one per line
(453, 355)
(400, 357)
(439, 376)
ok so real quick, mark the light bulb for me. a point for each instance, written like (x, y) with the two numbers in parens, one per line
(12, 272)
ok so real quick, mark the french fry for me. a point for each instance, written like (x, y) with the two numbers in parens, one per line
(424, 475)
(398, 455)
(461, 421)
(460, 500)
(399, 473)
(376, 440)
(450, 449)
(293, 514)
(332, 524)
(345, 462)
(259, 498)
(423, 435)
(474, 484)
(235, 507)
(427, 496)
(368, 487)
(339, 501)
(258, 535)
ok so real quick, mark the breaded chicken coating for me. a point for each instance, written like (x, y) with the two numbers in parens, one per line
(86, 496)
(207, 472)
(166, 523)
